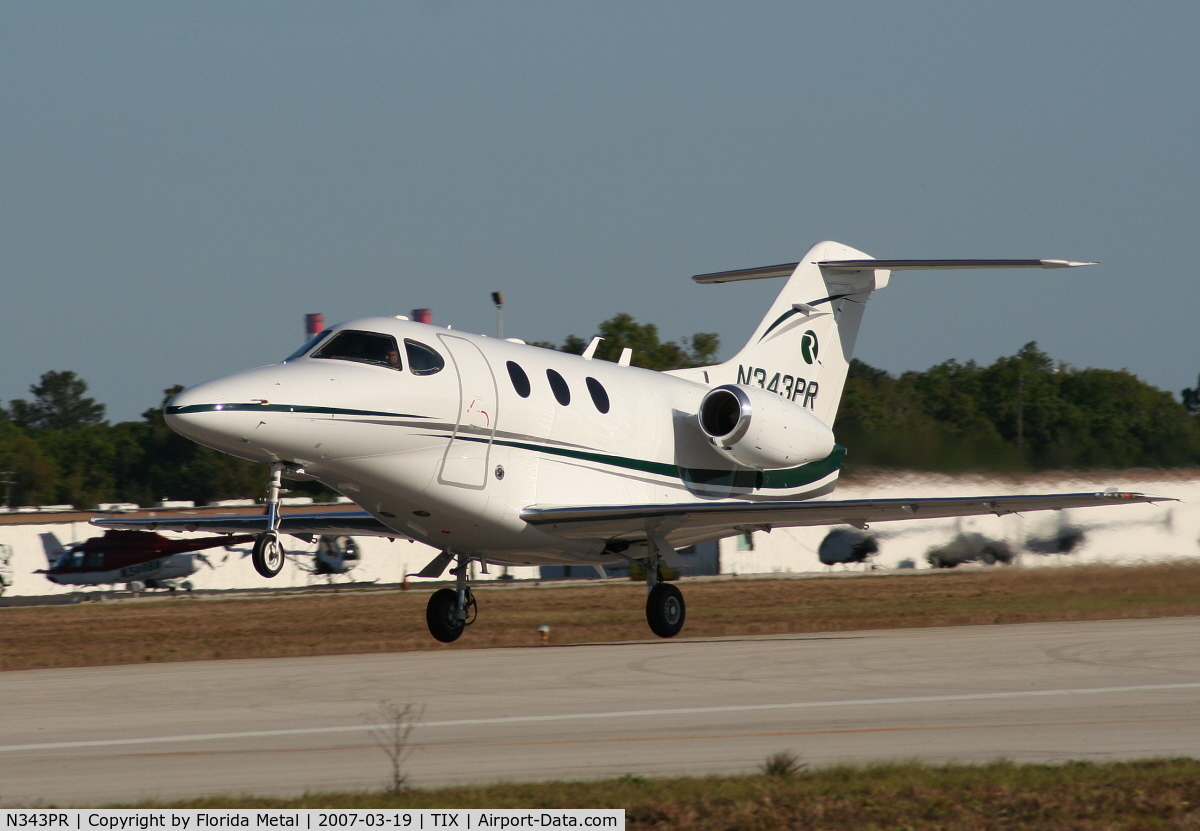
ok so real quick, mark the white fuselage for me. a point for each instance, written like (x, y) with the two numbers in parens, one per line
(171, 567)
(451, 458)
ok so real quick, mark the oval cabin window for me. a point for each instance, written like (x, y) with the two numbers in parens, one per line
(559, 387)
(520, 380)
(599, 394)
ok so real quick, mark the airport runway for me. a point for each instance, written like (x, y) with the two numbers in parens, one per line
(1033, 692)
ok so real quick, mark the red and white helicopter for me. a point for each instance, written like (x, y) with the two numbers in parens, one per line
(139, 559)
(503, 453)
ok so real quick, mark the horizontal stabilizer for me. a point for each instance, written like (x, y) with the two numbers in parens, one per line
(762, 273)
(786, 269)
(929, 265)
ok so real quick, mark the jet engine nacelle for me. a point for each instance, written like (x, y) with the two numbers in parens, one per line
(762, 430)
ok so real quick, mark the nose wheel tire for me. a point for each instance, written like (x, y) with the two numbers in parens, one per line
(267, 555)
(442, 615)
(665, 610)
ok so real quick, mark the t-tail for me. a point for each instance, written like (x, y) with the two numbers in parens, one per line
(802, 348)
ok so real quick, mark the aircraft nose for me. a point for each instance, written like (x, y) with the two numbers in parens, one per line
(218, 413)
(251, 414)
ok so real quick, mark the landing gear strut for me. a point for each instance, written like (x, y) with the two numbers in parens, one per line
(665, 609)
(267, 553)
(452, 610)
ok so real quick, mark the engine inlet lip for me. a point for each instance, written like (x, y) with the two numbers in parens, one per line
(709, 413)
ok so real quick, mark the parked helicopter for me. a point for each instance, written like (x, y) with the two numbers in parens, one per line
(139, 559)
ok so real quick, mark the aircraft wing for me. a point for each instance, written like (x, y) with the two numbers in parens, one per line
(689, 523)
(350, 523)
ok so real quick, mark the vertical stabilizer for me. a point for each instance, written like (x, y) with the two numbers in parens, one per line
(802, 348)
(53, 548)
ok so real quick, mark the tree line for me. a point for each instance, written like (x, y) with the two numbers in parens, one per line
(1021, 412)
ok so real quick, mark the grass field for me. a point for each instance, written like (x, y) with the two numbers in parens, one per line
(179, 629)
(1125, 795)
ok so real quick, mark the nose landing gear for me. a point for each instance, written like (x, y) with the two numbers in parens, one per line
(267, 554)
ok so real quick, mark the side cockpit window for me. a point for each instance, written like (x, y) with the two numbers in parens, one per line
(422, 359)
(362, 347)
(313, 341)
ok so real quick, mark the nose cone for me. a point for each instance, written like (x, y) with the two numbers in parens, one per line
(224, 414)
(248, 414)
(214, 414)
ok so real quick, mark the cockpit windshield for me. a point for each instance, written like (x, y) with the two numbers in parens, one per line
(313, 341)
(363, 347)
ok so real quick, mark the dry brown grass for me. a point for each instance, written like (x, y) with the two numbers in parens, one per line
(182, 629)
(1161, 794)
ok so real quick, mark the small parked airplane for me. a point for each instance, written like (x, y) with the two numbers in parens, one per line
(495, 451)
(139, 559)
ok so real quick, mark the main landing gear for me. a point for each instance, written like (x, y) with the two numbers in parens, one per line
(665, 609)
(267, 554)
(452, 610)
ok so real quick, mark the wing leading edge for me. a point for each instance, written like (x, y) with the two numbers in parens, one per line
(691, 523)
(337, 522)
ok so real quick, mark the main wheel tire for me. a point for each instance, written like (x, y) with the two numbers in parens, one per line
(665, 610)
(267, 555)
(441, 617)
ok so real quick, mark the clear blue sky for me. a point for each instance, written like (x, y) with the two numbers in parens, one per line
(183, 181)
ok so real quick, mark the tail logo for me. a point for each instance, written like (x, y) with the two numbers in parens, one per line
(808, 346)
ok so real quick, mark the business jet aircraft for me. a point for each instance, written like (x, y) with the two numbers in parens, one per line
(509, 454)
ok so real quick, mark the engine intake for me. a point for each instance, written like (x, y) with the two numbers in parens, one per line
(762, 430)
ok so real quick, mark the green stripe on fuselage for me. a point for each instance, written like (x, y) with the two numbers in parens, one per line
(792, 477)
(281, 408)
(785, 479)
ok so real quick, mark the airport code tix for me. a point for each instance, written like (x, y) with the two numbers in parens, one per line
(142, 819)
